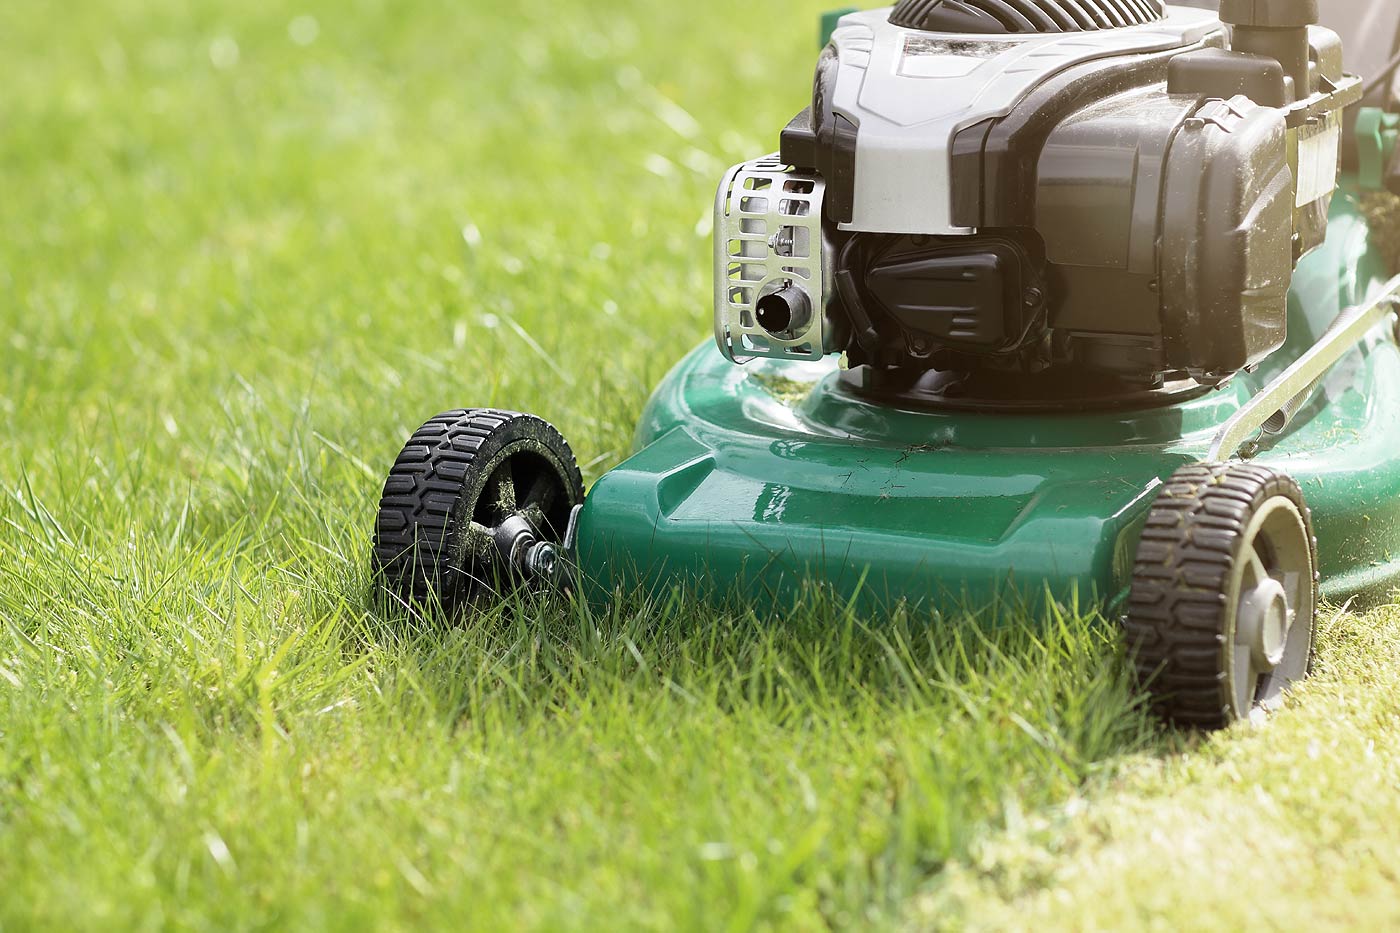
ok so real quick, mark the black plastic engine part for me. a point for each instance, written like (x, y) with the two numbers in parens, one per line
(971, 296)
(992, 17)
(911, 297)
(1124, 229)
(1277, 29)
(995, 162)
(984, 390)
(1223, 74)
(1226, 271)
(798, 145)
(833, 142)
(820, 139)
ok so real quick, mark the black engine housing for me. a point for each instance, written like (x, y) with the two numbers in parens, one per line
(1138, 216)
(946, 301)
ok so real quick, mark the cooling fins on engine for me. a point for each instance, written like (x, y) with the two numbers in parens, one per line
(992, 17)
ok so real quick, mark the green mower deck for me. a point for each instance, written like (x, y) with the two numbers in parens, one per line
(766, 477)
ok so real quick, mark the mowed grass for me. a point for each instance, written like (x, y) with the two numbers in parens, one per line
(246, 250)
(1287, 826)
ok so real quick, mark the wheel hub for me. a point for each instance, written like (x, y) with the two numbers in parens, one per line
(1264, 621)
(522, 549)
(512, 537)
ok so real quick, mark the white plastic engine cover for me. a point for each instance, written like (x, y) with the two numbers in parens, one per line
(910, 93)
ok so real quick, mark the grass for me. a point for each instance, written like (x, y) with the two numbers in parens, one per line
(248, 248)
(1288, 826)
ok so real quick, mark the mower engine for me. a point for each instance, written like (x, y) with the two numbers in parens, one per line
(1037, 193)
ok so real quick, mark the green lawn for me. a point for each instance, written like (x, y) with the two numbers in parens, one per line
(246, 250)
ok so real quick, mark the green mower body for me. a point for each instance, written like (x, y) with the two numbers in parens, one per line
(771, 477)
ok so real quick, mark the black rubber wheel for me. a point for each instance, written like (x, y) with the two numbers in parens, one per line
(1224, 597)
(461, 479)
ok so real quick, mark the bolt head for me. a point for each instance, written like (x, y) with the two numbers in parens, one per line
(543, 560)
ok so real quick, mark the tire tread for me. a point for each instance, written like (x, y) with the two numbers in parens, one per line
(1177, 606)
(413, 549)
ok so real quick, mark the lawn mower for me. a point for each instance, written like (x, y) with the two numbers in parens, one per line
(1069, 298)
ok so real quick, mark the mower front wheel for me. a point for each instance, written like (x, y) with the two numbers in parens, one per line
(1223, 604)
(478, 503)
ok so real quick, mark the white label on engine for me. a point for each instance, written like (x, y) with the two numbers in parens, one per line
(1319, 150)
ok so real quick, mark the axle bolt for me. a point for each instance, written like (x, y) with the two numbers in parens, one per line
(543, 560)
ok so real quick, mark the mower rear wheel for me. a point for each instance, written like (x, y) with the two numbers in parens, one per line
(1224, 597)
(478, 502)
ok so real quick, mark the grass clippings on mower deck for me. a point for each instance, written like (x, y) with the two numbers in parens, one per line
(1382, 210)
